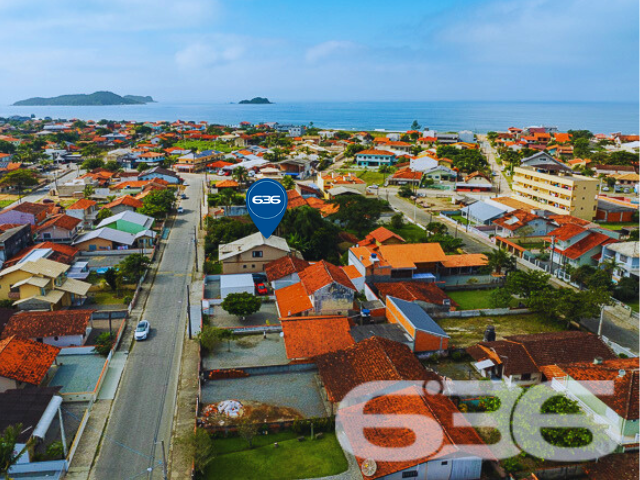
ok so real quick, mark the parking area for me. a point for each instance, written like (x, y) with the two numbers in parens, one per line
(78, 373)
(267, 315)
(248, 351)
(298, 391)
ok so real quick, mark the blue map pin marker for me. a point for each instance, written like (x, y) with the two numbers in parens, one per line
(267, 204)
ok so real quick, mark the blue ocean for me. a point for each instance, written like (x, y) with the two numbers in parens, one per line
(480, 117)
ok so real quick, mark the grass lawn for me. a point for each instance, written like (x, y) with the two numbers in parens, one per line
(634, 305)
(460, 219)
(291, 460)
(372, 177)
(471, 299)
(107, 297)
(6, 203)
(468, 331)
(617, 226)
(410, 232)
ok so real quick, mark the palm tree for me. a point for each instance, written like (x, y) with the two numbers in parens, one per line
(8, 454)
(609, 265)
(240, 175)
(499, 259)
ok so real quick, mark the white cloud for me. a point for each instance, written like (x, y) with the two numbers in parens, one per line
(330, 49)
(203, 55)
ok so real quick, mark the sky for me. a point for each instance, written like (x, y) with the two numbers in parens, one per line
(329, 50)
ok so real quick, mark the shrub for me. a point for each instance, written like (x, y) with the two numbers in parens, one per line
(104, 343)
(127, 300)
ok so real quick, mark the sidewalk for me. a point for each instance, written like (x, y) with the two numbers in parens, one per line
(179, 461)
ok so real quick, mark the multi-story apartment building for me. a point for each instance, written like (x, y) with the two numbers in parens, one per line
(547, 184)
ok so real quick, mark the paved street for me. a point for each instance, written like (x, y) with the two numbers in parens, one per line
(144, 407)
(39, 194)
(472, 245)
(491, 154)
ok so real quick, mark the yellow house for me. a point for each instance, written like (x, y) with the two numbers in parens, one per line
(41, 285)
(547, 184)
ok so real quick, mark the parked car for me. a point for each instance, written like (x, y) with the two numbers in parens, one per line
(142, 330)
(262, 289)
(373, 187)
(180, 210)
(186, 184)
(184, 196)
(251, 173)
(227, 173)
(259, 278)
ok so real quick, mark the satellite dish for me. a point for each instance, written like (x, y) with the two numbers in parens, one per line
(621, 373)
(369, 467)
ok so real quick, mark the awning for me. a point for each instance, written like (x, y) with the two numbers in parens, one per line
(484, 364)
(47, 417)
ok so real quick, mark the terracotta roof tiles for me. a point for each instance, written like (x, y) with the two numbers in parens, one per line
(24, 360)
(308, 337)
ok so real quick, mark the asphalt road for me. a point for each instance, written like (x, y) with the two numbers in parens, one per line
(145, 403)
(490, 152)
(471, 244)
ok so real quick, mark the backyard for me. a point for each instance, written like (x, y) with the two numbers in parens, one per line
(473, 299)
(372, 177)
(618, 226)
(410, 232)
(468, 331)
(291, 460)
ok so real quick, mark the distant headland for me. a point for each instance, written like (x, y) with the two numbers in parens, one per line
(93, 99)
(255, 101)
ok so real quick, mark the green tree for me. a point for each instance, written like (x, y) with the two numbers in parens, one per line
(306, 230)
(626, 289)
(500, 259)
(352, 149)
(241, 304)
(226, 230)
(581, 148)
(415, 125)
(88, 191)
(20, 179)
(104, 343)
(358, 213)
(500, 298)
(288, 183)
(200, 447)
(397, 221)
(102, 214)
(111, 277)
(112, 166)
(405, 191)
(209, 337)
(92, 163)
(511, 158)
(158, 203)
(133, 267)
(240, 175)
(9, 455)
(524, 283)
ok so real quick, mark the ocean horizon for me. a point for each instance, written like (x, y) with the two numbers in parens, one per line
(477, 116)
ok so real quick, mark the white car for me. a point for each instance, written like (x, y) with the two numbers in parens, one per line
(185, 184)
(142, 330)
(180, 210)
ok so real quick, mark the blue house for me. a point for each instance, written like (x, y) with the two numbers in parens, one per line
(375, 158)
(163, 173)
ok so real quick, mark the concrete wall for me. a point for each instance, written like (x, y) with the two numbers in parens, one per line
(333, 299)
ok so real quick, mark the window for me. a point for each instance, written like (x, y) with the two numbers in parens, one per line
(411, 474)
(445, 463)
(257, 254)
(525, 376)
(244, 266)
(55, 338)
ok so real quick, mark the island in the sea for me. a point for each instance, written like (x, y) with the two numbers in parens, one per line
(93, 99)
(255, 101)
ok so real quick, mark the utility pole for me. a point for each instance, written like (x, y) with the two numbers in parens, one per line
(195, 243)
(189, 314)
(553, 247)
(165, 472)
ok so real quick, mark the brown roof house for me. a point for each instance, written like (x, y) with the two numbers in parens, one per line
(252, 253)
(62, 328)
(521, 359)
(24, 361)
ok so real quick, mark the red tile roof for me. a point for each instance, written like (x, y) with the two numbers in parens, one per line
(407, 255)
(585, 245)
(82, 204)
(381, 235)
(449, 440)
(617, 466)
(413, 291)
(58, 323)
(284, 266)
(227, 184)
(624, 400)
(61, 253)
(62, 221)
(566, 232)
(407, 174)
(465, 260)
(372, 359)
(293, 300)
(24, 360)
(308, 337)
(565, 219)
(322, 274)
(127, 200)
(376, 152)
(515, 219)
